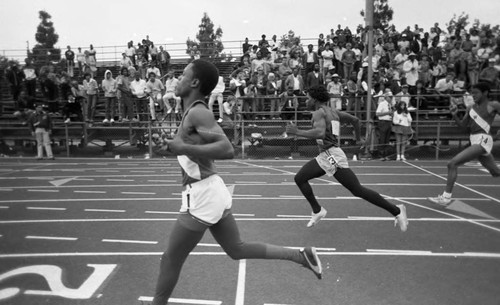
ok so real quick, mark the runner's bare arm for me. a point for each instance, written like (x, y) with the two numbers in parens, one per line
(214, 143)
(354, 121)
(317, 131)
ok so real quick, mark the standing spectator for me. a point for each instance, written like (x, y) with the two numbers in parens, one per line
(30, 77)
(49, 86)
(164, 59)
(462, 67)
(90, 86)
(70, 61)
(424, 74)
(130, 52)
(41, 128)
(411, 68)
(92, 61)
(80, 58)
(216, 94)
(403, 96)
(327, 56)
(259, 80)
(348, 59)
(384, 115)
(246, 47)
(272, 92)
(138, 88)
(170, 85)
(336, 90)
(237, 84)
(314, 78)
(15, 77)
(125, 95)
(153, 51)
(310, 59)
(296, 82)
(109, 87)
(154, 89)
(352, 91)
(455, 54)
(419, 100)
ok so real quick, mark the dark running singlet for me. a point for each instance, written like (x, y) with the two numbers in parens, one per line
(194, 169)
(480, 120)
(332, 131)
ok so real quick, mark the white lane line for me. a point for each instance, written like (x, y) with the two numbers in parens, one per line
(46, 208)
(161, 212)
(5, 190)
(488, 255)
(106, 171)
(164, 181)
(138, 193)
(44, 191)
(104, 210)
(182, 301)
(456, 183)
(142, 171)
(129, 241)
(242, 195)
(398, 251)
(3, 207)
(90, 192)
(250, 182)
(244, 215)
(208, 245)
(51, 238)
(84, 179)
(238, 219)
(119, 180)
(240, 288)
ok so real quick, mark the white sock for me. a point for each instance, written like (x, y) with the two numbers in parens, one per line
(446, 195)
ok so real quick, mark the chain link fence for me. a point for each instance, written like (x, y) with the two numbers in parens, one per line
(254, 134)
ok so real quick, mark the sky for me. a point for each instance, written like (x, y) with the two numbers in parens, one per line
(115, 22)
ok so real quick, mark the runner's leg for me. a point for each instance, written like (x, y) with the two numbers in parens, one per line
(309, 171)
(348, 179)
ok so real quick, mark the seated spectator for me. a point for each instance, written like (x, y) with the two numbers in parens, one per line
(216, 95)
(403, 96)
(289, 104)
(170, 85)
(125, 61)
(154, 90)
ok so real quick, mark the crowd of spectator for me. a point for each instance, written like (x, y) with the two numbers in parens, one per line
(271, 79)
(420, 68)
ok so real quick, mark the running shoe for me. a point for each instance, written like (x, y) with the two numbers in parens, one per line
(312, 261)
(440, 199)
(316, 217)
(401, 219)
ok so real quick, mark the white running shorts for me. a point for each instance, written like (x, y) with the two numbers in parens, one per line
(207, 200)
(484, 140)
(332, 159)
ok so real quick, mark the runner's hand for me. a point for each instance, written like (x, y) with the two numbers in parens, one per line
(291, 128)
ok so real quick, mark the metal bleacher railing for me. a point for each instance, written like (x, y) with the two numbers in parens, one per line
(434, 133)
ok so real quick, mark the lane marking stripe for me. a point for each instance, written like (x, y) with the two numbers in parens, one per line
(51, 238)
(127, 241)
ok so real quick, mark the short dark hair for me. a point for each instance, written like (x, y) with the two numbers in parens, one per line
(207, 73)
(319, 93)
(482, 86)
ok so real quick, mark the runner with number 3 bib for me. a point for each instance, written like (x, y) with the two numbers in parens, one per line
(332, 160)
(478, 119)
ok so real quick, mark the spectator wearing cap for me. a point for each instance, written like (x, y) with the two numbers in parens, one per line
(336, 91)
(41, 128)
(384, 114)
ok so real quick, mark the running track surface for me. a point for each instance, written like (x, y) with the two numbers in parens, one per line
(91, 231)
